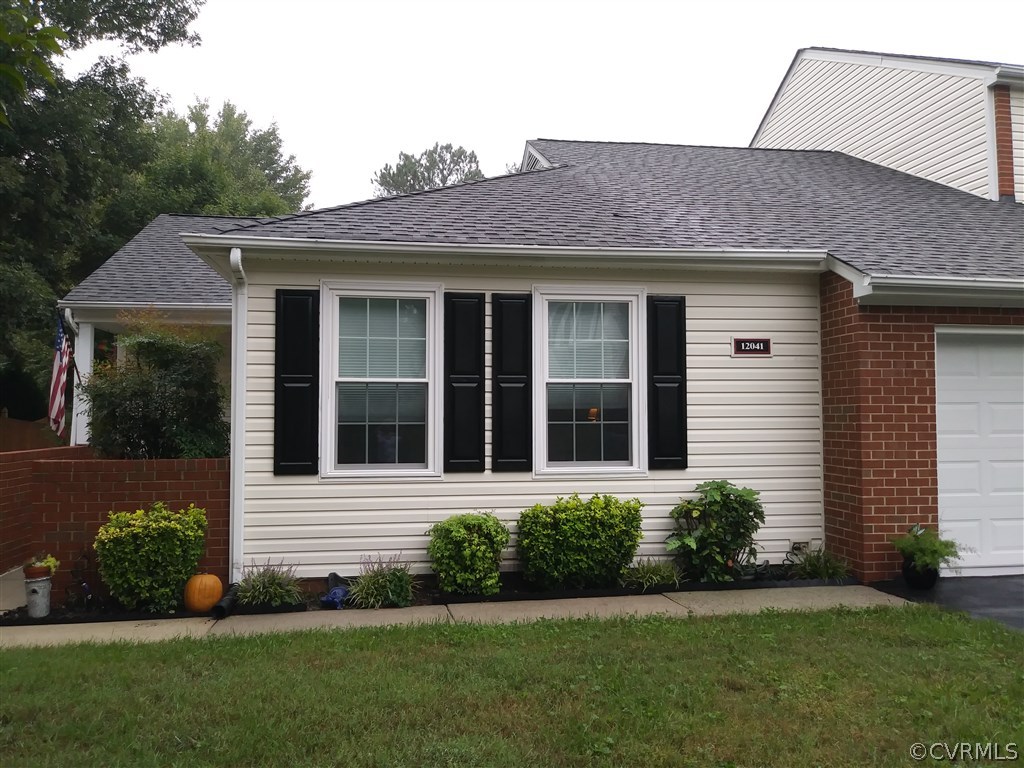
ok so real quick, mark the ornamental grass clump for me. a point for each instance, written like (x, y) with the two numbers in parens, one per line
(146, 557)
(465, 552)
(382, 584)
(270, 585)
(578, 544)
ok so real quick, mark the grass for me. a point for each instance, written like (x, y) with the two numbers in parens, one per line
(838, 688)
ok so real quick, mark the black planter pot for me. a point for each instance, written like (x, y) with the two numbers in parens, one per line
(919, 578)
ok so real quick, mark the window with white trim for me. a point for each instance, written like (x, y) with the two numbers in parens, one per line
(588, 389)
(382, 415)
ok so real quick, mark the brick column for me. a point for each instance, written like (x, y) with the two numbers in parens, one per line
(878, 410)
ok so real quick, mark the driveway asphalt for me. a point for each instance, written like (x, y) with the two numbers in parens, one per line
(984, 597)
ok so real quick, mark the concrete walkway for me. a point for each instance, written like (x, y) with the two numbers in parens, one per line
(681, 604)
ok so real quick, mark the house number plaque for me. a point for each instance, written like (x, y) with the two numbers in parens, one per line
(751, 347)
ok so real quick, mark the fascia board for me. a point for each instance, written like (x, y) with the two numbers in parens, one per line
(923, 290)
(213, 250)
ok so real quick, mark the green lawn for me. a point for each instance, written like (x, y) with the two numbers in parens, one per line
(841, 688)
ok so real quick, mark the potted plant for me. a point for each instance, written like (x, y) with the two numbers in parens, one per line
(37, 585)
(41, 567)
(923, 553)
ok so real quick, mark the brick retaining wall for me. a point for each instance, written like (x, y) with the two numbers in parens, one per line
(55, 500)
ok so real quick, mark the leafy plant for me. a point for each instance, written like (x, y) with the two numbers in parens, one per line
(648, 572)
(465, 552)
(145, 557)
(714, 533)
(164, 401)
(47, 561)
(270, 585)
(820, 564)
(924, 548)
(578, 543)
(382, 584)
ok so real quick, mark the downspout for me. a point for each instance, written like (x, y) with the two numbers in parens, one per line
(239, 334)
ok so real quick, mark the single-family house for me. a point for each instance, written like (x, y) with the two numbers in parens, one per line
(634, 319)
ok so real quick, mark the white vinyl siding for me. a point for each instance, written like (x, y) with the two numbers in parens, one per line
(927, 124)
(1017, 123)
(756, 422)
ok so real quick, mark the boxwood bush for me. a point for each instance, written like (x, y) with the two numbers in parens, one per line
(576, 543)
(145, 557)
(465, 552)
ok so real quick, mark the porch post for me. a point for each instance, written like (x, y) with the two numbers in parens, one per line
(83, 364)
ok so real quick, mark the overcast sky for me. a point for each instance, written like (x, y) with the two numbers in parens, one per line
(350, 84)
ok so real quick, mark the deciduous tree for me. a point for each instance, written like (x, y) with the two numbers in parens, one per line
(439, 166)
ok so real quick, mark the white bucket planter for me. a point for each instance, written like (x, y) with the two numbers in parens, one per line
(37, 597)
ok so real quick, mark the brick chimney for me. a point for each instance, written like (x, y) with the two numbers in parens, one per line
(1004, 140)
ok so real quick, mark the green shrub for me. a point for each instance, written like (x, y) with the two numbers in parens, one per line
(924, 548)
(270, 585)
(576, 543)
(163, 402)
(382, 584)
(465, 552)
(145, 557)
(714, 533)
(821, 564)
(649, 573)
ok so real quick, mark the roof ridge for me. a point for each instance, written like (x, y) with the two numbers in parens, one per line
(373, 200)
(208, 216)
(919, 57)
(687, 146)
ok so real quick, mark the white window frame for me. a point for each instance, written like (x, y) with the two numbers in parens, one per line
(636, 298)
(330, 292)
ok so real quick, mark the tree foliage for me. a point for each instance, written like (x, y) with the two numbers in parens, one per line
(85, 163)
(25, 47)
(213, 166)
(164, 401)
(439, 166)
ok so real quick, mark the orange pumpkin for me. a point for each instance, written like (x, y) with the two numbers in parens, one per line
(202, 592)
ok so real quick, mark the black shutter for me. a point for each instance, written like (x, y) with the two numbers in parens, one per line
(464, 382)
(666, 381)
(511, 368)
(296, 377)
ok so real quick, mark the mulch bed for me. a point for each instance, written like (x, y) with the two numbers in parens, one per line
(513, 587)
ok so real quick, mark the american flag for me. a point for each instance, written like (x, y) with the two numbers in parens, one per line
(59, 379)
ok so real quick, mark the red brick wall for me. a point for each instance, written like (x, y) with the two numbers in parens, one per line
(71, 497)
(1004, 139)
(16, 486)
(878, 398)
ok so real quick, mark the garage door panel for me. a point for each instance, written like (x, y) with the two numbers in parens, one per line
(980, 429)
(1008, 536)
(1007, 477)
(961, 478)
(961, 420)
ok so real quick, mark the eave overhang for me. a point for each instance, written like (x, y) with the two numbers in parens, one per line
(215, 249)
(936, 290)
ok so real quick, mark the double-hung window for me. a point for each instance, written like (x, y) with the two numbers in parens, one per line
(588, 356)
(383, 382)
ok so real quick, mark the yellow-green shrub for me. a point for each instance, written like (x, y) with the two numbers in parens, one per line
(576, 543)
(146, 556)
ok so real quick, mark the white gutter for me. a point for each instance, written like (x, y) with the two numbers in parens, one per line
(211, 249)
(79, 305)
(237, 460)
(939, 290)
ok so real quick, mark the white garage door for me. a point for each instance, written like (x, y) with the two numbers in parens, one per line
(980, 413)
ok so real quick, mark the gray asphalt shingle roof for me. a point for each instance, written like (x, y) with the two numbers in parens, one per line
(156, 267)
(615, 195)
